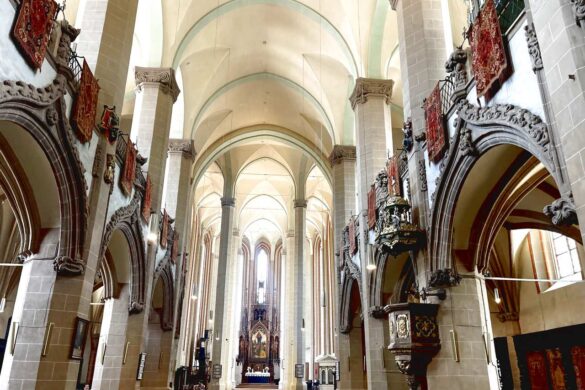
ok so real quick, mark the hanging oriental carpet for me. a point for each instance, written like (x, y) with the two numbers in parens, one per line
(436, 142)
(489, 61)
(85, 107)
(32, 29)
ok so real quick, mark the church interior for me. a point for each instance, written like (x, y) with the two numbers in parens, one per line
(292, 194)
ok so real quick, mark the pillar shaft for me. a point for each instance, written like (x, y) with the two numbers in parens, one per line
(302, 311)
(343, 163)
(155, 94)
(222, 317)
(370, 102)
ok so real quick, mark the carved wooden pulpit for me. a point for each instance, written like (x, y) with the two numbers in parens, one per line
(414, 339)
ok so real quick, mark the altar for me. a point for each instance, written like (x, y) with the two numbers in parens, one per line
(258, 377)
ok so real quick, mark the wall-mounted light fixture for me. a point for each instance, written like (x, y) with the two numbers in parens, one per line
(303, 325)
(497, 297)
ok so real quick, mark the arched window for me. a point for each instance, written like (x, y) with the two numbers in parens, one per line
(566, 257)
(261, 276)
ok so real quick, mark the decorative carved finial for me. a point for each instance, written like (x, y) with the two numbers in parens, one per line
(455, 66)
(533, 47)
(364, 88)
(165, 77)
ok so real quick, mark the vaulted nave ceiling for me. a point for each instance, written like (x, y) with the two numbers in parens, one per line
(285, 65)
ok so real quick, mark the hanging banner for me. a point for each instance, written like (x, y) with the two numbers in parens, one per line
(556, 369)
(436, 140)
(536, 364)
(489, 61)
(175, 247)
(578, 360)
(32, 29)
(372, 207)
(394, 177)
(164, 239)
(129, 172)
(84, 110)
(352, 239)
(147, 200)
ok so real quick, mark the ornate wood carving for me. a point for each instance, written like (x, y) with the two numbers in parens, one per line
(455, 66)
(422, 175)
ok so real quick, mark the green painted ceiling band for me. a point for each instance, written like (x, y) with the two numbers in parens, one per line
(265, 76)
(292, 4)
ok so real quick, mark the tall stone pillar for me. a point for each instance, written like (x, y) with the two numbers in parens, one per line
(302, 311)
(109, 363)
(370, 100)
(560, 28)
(222, 317)
(180, 158)
(343, 163)
(422, 56)
(288, 325)
(155, 94)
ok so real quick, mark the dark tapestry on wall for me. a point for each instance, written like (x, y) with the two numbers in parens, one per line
(164, 234)
(489, 61)
(32, 29)
(436, 140)
(553, 359)
(85, 107)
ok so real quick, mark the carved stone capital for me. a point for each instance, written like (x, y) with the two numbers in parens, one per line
(364, 88)
(394, 4)
(135, 307)
(228, 201)
(562, 212)
(508, 316)
(342, 153)
(300, 203)
(182, 146)
(164, 77)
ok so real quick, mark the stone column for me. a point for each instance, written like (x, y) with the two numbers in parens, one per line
(288, 341)
(560, 44)
(343, 163)
(221, 316)
(370, 100)
(300, 315)
(155, 94)
(422, 56)
(108, 365)
(180, 158)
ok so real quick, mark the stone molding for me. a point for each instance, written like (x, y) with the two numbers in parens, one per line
(164, 77)
(447, 277)
(579, 10)
(182, 146)
(342, 153)
(300, 203)
(42, 112)
(533, 47)
(228, 201)
(478, 129)
(364, 88)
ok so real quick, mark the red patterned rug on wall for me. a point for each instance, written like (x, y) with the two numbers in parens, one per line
(352, 240)
(537, 371)
(32, 29)
(84, 110)
(165, 230)
(147, 201)
(489, 60)
(436, 142)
